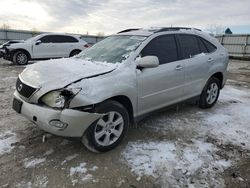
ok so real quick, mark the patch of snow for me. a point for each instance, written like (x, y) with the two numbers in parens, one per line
(9, 78)
(69, 158)
(49, 152)
(94, 168)
(33, 162)
(79, 174)
(6, 140)
(230, 122)
(78, 169)
(175, 164)
(197, 164)
(39, 181)
(24, 184)
(64, 142)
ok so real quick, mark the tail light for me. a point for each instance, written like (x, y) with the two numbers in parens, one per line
(86, 46)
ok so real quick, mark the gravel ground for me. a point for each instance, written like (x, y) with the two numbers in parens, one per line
(179, 147)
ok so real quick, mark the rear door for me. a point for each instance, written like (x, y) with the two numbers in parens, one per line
(196, 61)
(68, 44)
(163, 85)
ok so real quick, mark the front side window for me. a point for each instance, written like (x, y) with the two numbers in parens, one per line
(113, 49)
(189, 46)
(47, 39)
(164, 47)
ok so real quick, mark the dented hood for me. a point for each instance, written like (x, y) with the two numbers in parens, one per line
(54, 74)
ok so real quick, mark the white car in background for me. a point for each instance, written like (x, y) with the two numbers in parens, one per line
(44, 46)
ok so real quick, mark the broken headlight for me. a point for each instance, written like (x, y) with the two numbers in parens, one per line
(59, 98)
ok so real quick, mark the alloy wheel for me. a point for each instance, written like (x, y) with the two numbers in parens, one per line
(109, 128)
(212, 93)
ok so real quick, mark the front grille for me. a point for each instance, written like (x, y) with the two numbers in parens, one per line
(24, 89)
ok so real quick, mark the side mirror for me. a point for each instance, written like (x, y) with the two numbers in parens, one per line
(147, 62)
(38, 42)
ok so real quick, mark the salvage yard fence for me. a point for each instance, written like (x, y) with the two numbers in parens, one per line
(238, 45)
(12, 34)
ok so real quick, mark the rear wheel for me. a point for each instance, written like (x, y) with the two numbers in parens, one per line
(210, 93)
(74, 52)
(20, 58)
(108, 131)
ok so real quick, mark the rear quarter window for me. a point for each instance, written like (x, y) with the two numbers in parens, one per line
(210, 47)
(203, 48)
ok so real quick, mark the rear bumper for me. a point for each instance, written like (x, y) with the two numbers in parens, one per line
(76, 122)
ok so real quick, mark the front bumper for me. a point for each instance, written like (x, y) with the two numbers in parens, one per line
(6, 54)
(2, 51)
(77, 121)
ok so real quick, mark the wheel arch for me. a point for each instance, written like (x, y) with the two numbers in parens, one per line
(126, 102)
(78, 50)
(23, 50)
(219, 76)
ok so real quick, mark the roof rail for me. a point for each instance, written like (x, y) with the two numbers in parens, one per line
(175, 29)
(128, 30)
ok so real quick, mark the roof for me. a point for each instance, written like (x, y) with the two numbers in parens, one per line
(152, 30)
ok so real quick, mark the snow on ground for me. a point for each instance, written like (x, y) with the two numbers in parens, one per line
(190, 160)
(49, 152)
(37, 181)
(30, 163)
(176, 164)
(231, 122)
(79, 174)
(6, 140)
(69, 158)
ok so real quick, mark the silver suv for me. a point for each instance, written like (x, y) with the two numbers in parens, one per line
(98, 93)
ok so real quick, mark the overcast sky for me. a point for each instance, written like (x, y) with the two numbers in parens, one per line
(110, 16)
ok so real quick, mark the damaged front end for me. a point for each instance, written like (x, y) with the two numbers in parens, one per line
(59, 98)
(59, 121)
(52, 111)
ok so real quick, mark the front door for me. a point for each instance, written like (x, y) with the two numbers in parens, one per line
(163, 85)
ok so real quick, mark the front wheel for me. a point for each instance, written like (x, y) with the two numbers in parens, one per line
(108, 131)
(210, 93)
(20, 58)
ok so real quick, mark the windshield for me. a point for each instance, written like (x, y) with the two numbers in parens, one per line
(113, 49)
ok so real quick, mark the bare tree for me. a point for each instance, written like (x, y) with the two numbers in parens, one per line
(216, 29)
(5, 26)
(34, 31)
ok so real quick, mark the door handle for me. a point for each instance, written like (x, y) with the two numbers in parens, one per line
(210, 60)
(178, 67)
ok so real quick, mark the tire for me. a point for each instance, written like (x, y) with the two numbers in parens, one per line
(210, 93)
(20, 58)
(107, 132)
(74, 52)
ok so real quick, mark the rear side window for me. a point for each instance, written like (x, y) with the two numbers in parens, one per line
(164, 47)
(189, 46)
(210, 47)
(66, 39)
